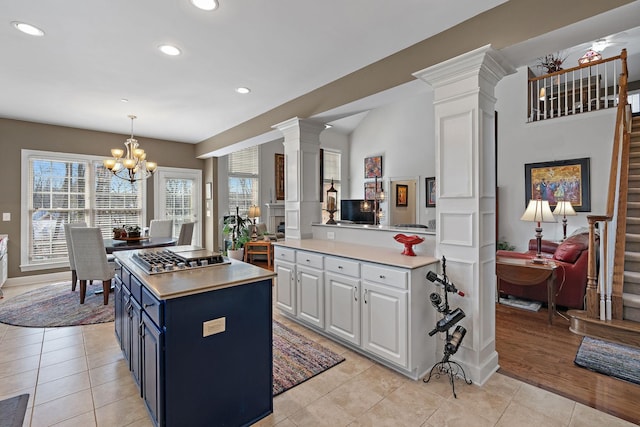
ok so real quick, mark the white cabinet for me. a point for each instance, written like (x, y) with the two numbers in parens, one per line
(384, 322)
(286, 286)
(380, 310)
(310, 293)
(343, 307)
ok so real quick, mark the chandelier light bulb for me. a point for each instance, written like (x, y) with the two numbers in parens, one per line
(133, 165)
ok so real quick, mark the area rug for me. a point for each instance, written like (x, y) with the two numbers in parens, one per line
(296, 358)
(616, 360)
(523, 304)
(56, 305)
(12, 411)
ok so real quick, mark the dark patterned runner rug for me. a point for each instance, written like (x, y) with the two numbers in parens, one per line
(56, 305)
(296, 358)
(12, 411)
(616, 360)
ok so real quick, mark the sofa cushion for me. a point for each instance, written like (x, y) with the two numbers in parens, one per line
(570, 249)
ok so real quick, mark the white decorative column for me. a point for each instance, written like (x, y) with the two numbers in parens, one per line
(464, 106)
(302, 176)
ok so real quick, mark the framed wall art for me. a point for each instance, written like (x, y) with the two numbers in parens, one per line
(370, 190)
(563, 180)
(373, 167)
(402, 195)
(430, 189)
(279, 176)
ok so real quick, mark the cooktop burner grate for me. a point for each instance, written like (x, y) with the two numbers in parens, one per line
(167, 260)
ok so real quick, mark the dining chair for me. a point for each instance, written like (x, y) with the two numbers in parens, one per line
(72, 264)
(91, 260)
(161, 228)
(186, 233)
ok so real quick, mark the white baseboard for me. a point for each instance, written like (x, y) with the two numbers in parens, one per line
(37, 279)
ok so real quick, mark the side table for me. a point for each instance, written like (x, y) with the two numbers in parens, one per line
(525, 273)
(258, 247)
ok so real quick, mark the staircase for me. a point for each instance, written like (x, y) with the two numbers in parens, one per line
(631, 287)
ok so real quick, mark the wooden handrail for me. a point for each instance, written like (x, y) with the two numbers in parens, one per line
(619, 168)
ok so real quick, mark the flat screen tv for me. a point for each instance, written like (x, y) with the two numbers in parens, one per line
(350, 211)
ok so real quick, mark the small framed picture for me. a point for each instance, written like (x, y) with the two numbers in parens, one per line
(370, 190)
(208, 190)
(430, 185)
(373, 167)
(402, 194)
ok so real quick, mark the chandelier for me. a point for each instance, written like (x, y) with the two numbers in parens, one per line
(134, 165)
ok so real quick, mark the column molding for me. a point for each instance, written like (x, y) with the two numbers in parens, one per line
(302, 176)
(464, 108)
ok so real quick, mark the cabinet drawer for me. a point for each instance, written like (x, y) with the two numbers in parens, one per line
(285, 254)
(152, 306)
(309, 259)
(385, 275)
(342, 266)
(126, 277)
(136, 289)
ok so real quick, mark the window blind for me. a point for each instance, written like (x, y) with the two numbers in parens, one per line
(244, 174)
(117, 202)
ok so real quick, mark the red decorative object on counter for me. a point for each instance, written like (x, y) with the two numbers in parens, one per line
(408, 242)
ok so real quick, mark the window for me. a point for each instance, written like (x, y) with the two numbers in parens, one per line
(244, 176)
(331, 171)
(60, 188)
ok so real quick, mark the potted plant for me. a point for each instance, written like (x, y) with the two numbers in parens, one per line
(236, 228)
(132, 230)
(119, 232)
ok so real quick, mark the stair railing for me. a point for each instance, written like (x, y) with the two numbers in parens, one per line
(587, 87)
(604, 296)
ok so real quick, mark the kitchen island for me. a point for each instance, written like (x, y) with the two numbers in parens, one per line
(198, 341)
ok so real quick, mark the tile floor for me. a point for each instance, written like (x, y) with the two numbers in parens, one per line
(77, 376)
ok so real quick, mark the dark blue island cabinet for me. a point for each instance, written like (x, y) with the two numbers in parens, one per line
(200, 353)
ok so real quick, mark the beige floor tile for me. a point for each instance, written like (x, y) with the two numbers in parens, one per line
(555, 406)
(585, 416)
(60, 370)
(17, 331)
(15, 353)
(142, 422)
(17, 366)
(55, 333)
(13, 383)
(517, 415)
(322, 412)
(442, 387)
(482, 401)
(122, 412)
(61, 342)
(62, 387)
(502, 384)
(109, 352)
(454, 414)
(21, 341)
(118, 370)
(294, 400)
(112, 391)
(286, 423)
(354, 398)
(88, 419)
(61, 409)
(62, 355)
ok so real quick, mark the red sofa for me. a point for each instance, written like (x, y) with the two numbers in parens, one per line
(571, 257)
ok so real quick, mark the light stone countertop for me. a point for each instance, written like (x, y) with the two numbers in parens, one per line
(408, 230)
(198, 280)
(388, 256)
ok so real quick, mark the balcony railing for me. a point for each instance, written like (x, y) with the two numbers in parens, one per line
(588, 87)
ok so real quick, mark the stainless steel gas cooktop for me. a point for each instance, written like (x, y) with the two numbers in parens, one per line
(180, 258)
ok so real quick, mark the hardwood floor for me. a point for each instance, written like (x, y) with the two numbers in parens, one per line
(540, 354)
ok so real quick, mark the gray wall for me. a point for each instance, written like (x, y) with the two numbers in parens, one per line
(17, 135)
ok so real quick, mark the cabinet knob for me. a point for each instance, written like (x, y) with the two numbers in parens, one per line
(355, 293)
(382, 276)
(339, 267)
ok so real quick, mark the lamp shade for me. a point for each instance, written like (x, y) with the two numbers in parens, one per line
(254, 211)
(564, 209)
(538, 211)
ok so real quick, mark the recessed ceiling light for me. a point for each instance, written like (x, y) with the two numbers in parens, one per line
(243, 90)
(124, 100)
(28, 29)
(205, 4)
(167, 49)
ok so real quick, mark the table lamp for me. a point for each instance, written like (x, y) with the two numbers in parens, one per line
(254, 212)
(538, 211)
(565, 209)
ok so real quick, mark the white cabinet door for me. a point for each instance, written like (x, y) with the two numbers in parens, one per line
(343, 307)
(384, 322)
(310, 293)
(286, 286)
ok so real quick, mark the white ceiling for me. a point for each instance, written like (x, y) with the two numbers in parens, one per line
(95, 53)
